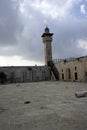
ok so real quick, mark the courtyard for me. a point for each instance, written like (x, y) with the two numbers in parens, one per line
(43, 106)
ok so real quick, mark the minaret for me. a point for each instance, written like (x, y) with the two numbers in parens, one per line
(47, 40)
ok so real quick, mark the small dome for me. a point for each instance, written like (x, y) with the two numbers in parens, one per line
(46, 30)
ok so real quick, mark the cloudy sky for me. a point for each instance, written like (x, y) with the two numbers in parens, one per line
(22, 23)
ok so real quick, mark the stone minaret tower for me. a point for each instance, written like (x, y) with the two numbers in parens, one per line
(47, 39)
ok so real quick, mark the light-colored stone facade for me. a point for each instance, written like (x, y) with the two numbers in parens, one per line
(72, 69)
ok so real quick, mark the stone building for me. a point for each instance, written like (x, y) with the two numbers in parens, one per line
(72, 69)
(47, 40)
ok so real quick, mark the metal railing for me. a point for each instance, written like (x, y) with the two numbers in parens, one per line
(64, 60)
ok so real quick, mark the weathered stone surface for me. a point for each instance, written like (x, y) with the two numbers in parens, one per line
(47, 40)
(72, 69)
(53, 106)
(80, 94)
(18, 74)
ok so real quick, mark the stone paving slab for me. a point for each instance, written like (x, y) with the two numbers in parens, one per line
(43, 106)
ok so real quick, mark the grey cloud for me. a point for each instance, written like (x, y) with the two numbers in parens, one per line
(24, 32)
(24, 40)
(66, 37)
(10, 25)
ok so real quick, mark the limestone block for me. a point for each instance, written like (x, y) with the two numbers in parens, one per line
(80, 94)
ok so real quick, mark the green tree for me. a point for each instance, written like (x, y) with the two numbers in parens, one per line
(3, 77)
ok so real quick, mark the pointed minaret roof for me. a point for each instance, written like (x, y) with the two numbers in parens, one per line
(47, 32)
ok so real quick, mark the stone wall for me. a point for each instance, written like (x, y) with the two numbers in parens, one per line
(72, 70)
(26, 73)
(69, 70)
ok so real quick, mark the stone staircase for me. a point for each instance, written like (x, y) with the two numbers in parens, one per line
(53, 69)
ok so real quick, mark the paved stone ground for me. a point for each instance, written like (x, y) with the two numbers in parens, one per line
(51, 106)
